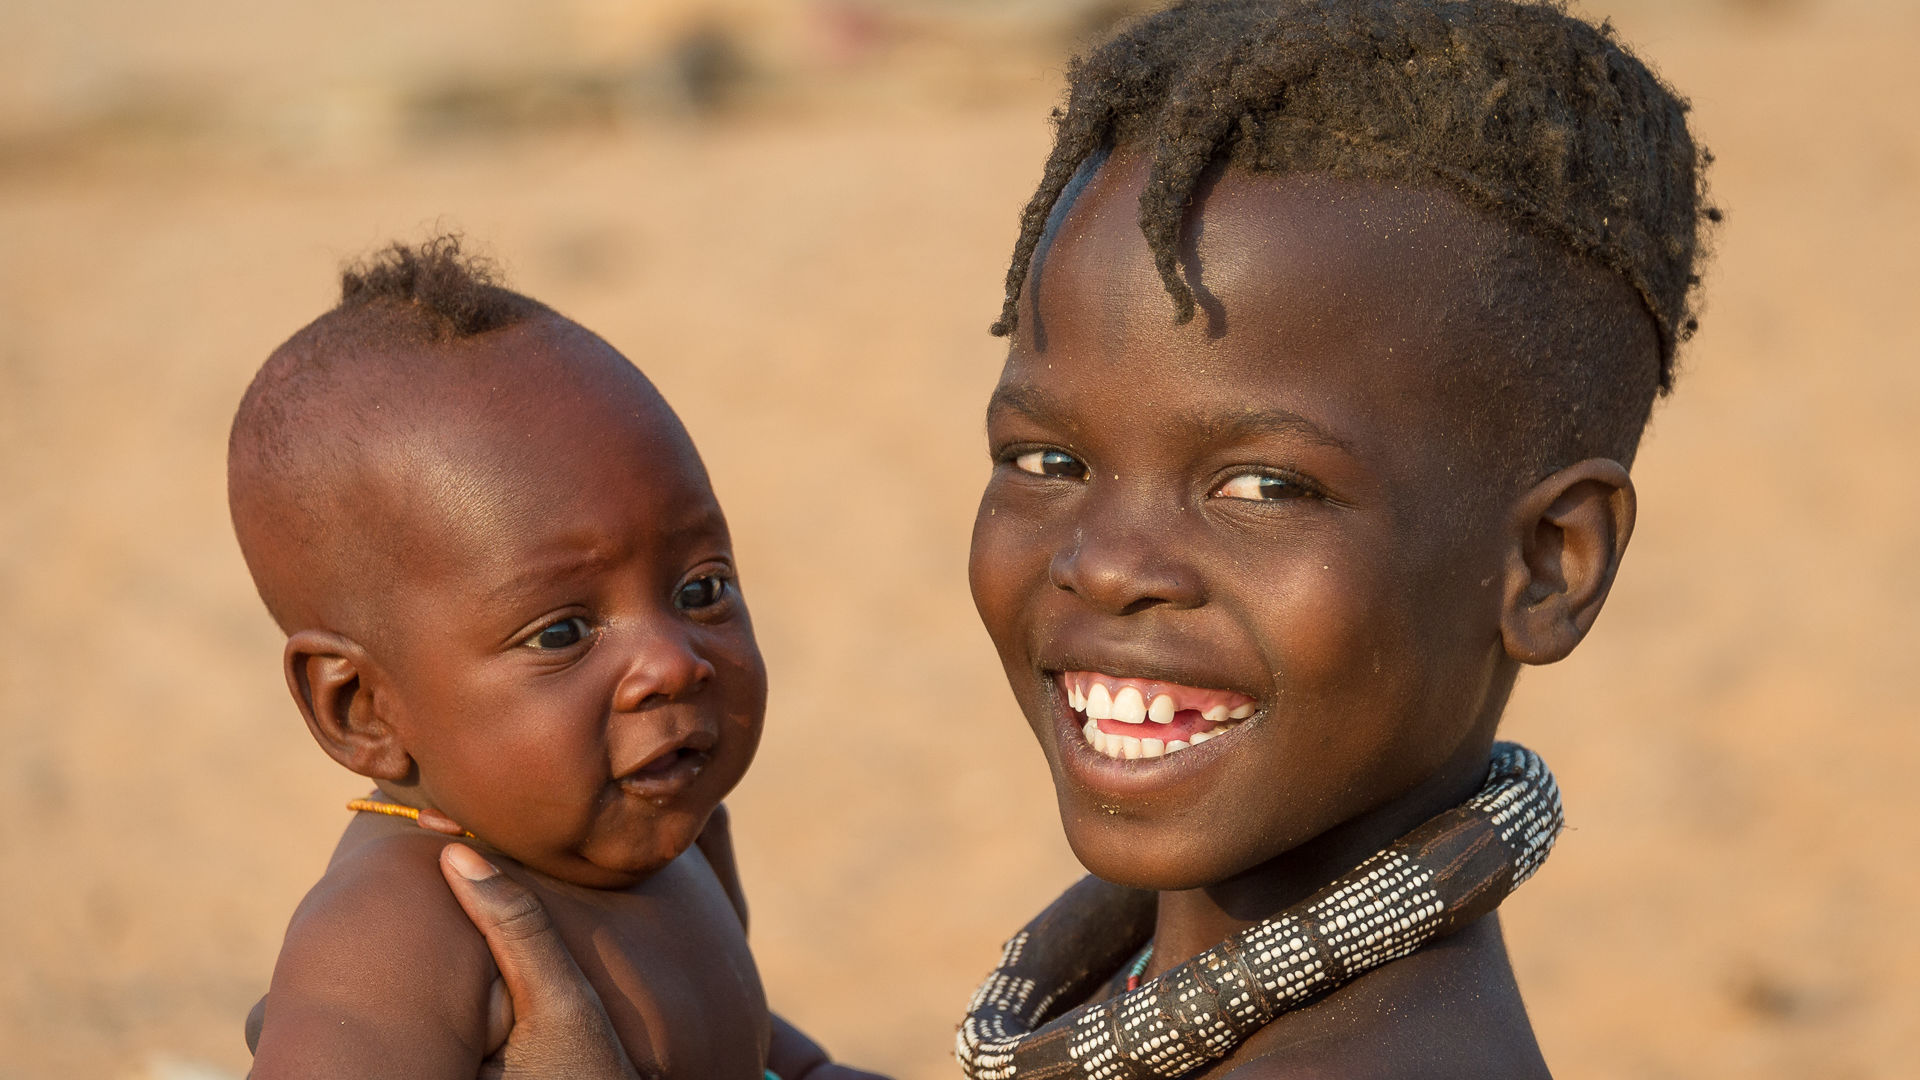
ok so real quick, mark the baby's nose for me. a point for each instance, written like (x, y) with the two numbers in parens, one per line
(663, 667)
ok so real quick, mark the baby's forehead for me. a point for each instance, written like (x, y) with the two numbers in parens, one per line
(529, 383)
(443, 448)
(527, 414)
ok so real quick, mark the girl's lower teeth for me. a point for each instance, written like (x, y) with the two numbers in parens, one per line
(1131, 748)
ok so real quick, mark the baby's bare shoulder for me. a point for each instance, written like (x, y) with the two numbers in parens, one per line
(388, 889)
(381, 973)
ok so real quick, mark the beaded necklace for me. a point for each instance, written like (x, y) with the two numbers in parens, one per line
(1436, 879)
(1139, 967)
(432, 820)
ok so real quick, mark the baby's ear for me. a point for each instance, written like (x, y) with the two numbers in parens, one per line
(1570, 531)
(327, 674)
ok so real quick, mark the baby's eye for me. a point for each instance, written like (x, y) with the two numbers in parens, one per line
(701, 592)
(563, 634)
(1051, 463)
(1262, 487)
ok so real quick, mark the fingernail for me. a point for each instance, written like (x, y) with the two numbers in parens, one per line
(468, 863)
(439, 822)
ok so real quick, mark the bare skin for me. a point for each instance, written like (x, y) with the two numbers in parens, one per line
(549, 649)
(558, 1024)
(1284, 507)
(1276, 504)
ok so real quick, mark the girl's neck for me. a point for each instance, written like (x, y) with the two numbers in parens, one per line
(1190, 921)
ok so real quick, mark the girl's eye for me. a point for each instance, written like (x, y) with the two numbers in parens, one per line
(1262, 487)
(701, 592)
(560, 635)
(1051, 463)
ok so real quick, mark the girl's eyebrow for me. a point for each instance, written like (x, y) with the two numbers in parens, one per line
(1043, 407)
(1026, 400)
(1247, 422)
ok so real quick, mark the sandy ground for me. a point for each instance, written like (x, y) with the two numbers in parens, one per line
(1737, 742)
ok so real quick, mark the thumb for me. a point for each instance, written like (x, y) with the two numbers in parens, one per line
(539, 972)
(560, 1028)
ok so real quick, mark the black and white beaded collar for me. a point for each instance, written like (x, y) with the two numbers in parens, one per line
(1433, 881)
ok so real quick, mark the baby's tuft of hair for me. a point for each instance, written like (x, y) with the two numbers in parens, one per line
(1530, 114)
(450, 293)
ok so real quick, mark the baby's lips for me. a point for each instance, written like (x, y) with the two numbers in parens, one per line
(699, 740)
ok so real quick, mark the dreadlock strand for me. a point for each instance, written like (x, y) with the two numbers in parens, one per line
(1070, 149)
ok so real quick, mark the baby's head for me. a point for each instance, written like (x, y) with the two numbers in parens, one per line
(507, 588)
(1334, 329)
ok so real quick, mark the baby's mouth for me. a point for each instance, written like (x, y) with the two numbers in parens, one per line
(1148, 718)
(669, 767)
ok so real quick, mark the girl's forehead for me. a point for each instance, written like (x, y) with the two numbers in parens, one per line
(1254, 240)
(1312, 292)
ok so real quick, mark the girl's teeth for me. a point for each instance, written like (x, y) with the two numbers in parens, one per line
(1098, 705)
(1131, 749)
(1095, 701)
(1162, 710)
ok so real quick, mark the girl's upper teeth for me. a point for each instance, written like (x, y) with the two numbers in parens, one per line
(1134, 701)
(1099, 706)
(1099, 697)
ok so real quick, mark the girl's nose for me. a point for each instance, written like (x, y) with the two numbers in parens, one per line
(1122, 559)
(664, 667)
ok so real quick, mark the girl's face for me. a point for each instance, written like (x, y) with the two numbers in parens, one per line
(1242, 573)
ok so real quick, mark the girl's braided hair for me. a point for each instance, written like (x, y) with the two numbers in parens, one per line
(1527, 112)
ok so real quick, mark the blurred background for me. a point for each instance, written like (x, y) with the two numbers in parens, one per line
(795, 216)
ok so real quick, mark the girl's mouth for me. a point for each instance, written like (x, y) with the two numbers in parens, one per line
(1130, 719)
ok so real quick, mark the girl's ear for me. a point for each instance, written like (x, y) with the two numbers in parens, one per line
(1570, 531)
(326, 673)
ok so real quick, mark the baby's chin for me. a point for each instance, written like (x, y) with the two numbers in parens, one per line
(620, 860)
(599, 870)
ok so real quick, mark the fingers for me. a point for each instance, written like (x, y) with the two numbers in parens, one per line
(555, 1026)
(532, 959)
(256, 1019)
(499, 1016)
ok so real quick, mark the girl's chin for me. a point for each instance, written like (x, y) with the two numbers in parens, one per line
(1142, 855)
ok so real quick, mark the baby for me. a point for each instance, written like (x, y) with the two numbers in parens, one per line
(510, 601)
